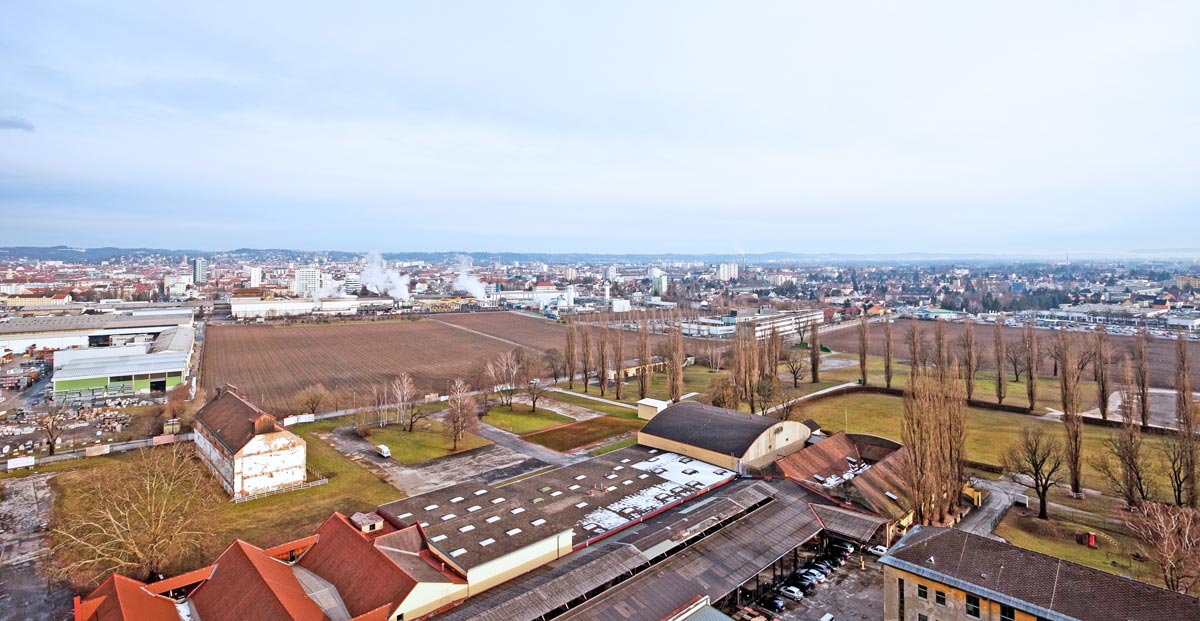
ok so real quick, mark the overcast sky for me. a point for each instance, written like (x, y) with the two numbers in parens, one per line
(1020, 127)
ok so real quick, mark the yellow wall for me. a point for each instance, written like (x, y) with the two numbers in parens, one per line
(427, 597)
(956, 600)
(767, 448)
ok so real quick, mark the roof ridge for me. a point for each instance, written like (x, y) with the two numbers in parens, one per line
(1054, 588)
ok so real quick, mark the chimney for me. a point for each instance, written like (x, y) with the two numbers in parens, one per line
(367, 522)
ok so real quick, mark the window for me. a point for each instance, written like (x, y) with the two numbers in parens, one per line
(922, 591)
(900, 599)
(939, 598)
(921, 617)
(1007, 613)
(973, 606)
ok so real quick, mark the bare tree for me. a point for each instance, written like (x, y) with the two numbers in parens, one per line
(916, 345)
(570, 356)
(1029, 343)
(585, 356)
(814, 354)
(1141, 371)
(312, 398)
(970, 358)
(602, 359)
(1102, 358)
(1015, 354)
(1065, 351)
(864, 341)
(461, 414)
(1185, 418)
(941, 351)
(1037, 457)
(795, 361)
(999, 352)
(150, 514)
(887, 351)
(1171, 538)
(676, 361)
(723, 393)
(555, 364)
(645, 360)
(504, 374)
(51, 423)
(933, 429)
(404, 395)
(1124, 465)
(618, 364)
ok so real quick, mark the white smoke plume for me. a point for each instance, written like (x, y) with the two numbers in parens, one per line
(467, 282)
(332, 291)
(378, 278)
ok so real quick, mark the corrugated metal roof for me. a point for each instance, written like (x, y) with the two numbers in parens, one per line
(164, 362)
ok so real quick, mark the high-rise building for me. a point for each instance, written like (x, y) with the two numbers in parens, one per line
(727, 271)
(307, 281)
(255, 277)
(199, 270)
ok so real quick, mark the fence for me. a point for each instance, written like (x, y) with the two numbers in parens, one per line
(290, 488)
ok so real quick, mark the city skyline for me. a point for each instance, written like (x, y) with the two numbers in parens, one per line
(674, 128)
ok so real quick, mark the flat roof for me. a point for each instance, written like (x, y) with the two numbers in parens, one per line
(473, 523)
(137, 364)
(67, 323)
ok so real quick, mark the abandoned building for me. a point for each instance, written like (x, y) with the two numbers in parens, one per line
(248, 450)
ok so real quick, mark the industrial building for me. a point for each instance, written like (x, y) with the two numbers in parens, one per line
(101, 372)
(735, 440)
(79, 331)
(255, 307)
(952, 575)
(765, 319)
(247, 449)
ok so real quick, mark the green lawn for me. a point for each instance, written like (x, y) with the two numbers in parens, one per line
(522, 421)
(599, 406)
(989, 433)
(1056, 537)
(584, 433)
(696, 378)
(985, 384)
(422, 444)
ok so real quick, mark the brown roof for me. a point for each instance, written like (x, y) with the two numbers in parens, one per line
(231, 420)
(365, 576)
(1032, 582)
(249, 584)
(825, 458)
(125, 599)
(847, 523)
(828, 458)
(885, 477)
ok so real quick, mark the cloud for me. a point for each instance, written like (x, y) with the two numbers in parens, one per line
(15, 122)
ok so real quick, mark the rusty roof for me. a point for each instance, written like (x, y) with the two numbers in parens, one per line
(255, 585)
(230, 419)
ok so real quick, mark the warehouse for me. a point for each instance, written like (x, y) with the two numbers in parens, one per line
(88, 374)
(730, 439)
(67, 331)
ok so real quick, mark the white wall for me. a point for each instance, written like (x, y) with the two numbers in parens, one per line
(212, 457)
(268, 462)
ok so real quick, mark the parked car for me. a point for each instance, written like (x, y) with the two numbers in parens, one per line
(877, 550)
(774, 604)
(814, 575)
(849, 548)
(792, 593)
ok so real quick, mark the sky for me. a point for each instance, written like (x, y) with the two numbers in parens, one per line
(645, 127)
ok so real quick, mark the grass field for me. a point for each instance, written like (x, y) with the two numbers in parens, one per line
(989, 433)
(696, 378)
(1056, 537)
(522, 421)
(591, 404)
(1161, 352)
(584, 433)
(274, 519)
(423, 443)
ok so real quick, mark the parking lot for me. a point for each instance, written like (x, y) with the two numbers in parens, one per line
(852, 592)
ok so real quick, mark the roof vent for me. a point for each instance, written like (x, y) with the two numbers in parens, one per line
(930, 561)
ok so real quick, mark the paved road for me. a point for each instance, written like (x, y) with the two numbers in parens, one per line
(981, 520)
(599, 399)
(536, 451)
(806, 397)
(24, 593)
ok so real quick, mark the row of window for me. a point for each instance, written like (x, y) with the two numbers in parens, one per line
(973, 607)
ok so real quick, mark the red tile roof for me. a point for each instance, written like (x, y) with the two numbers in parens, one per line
(249, 584)
(124, 599)
(364, 575)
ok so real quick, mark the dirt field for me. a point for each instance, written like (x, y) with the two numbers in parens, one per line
(272, 364)
(1161, 351)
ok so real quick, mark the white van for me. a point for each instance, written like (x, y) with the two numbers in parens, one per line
(383, 451)
(827, 617)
